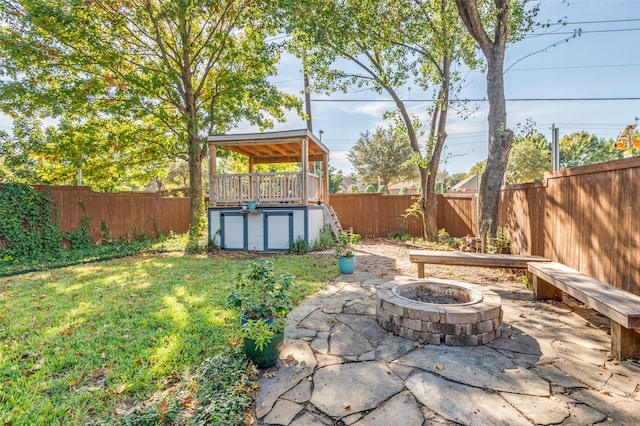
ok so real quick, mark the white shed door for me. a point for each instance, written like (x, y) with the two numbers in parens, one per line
(279, 231)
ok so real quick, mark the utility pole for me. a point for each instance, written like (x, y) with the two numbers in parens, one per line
(555, 149)
(307, 101)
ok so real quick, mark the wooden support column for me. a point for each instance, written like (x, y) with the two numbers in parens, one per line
(625, 343)
(304, 156)
(325, 169)
(213, 156)
(253, 181)
(543, 290)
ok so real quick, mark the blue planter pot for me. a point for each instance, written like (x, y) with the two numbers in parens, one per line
(347, 265)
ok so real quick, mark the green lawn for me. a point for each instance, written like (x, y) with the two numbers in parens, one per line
(83, 343)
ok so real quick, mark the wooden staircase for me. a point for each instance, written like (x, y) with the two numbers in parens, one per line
(331, 217)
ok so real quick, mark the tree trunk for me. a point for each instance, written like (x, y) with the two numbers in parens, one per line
(427, 206)
(500, 138)
(195, 184)
(439, 135)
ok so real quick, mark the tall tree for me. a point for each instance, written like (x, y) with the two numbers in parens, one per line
(530, 155)
(492, 24)
(581, 149)
(336, 180)
(382, 155)
(189, 67)
(392, 43)
(18, 163)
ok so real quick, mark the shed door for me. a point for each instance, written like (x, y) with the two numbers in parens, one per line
(233, 226)
(278, 230)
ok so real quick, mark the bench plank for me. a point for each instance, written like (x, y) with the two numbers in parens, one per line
(460, 258)
(619, 305)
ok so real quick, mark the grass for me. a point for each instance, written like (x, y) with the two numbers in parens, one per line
(88, 343)
(115, 249)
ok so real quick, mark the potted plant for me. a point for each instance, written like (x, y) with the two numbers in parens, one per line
(264, 300)
(346, 257)
(262, 340)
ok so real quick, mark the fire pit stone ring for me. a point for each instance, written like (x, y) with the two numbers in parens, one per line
(435, 311)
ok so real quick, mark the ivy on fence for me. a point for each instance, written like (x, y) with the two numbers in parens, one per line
(30, 225)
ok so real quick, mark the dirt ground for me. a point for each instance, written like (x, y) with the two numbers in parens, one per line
(386, 257)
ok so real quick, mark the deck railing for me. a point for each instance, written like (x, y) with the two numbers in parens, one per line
(278, 187)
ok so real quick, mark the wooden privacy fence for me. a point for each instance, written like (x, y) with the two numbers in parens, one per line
(126, 213)
(587, 218)
(377, 215)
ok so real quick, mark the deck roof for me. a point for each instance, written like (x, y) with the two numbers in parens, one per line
(273, 147)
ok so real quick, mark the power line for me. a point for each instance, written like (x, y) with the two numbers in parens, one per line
(580, 32)
(574, 67)
(485, 99)
(596, 22)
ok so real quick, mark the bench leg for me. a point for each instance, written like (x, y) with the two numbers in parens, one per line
(625, 343)
(543, 290)
(420, 270)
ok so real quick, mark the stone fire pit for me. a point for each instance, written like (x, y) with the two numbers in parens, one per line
(437, 311)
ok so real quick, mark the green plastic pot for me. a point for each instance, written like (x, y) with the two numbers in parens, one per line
(266, 357)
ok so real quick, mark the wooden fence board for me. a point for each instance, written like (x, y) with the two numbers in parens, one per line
(126, 213)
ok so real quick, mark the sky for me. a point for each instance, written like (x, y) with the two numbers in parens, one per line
(601, 64)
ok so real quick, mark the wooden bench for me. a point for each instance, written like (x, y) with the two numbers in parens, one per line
(551, 280)
(460, 258)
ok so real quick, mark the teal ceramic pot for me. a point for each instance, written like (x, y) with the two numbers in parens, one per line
(347, 265)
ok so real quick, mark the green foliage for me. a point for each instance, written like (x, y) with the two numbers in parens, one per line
(138, 332)
(581, 148)
(344, 242)
(501, 243)
(326, 239)
(447, 240)
(353, 189)
(370, 189)
(383, 189)
(225, 385)
(529, 159)
(263, 331)
(478, 168)
(384, 155)
(27, 227)
(398, 235)
(336, 180)
(259, 293)
(404, 190)
(125, 74)
(79, 238)
(17, 162)
(299, 246)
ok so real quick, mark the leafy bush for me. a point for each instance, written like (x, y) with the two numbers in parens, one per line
(299, 246)
(325, 241)
(445, 239)
(27, 227)
(353, 189)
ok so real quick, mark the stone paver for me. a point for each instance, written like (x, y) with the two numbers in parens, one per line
(463, 404)
(341, 390)
(549, 367)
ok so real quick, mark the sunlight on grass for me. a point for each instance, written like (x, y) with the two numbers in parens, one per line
(79, 342)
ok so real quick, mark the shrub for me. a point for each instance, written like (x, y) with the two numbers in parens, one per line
(299, 246)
